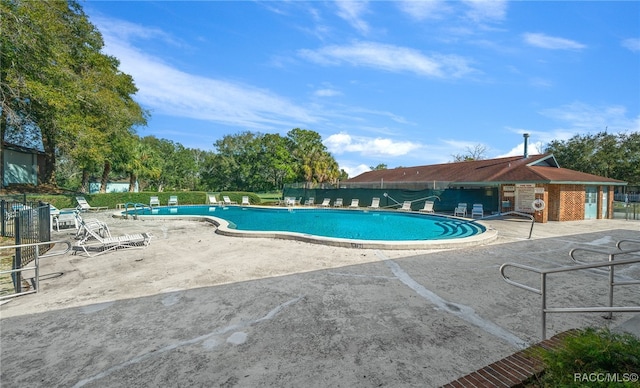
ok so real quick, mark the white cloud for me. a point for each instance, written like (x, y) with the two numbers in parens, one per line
(342, 142)
(486, 10)
(352, 11)
(352, 170)
(327, 92)
(167, 90)
(389, 58)
(422, 10)
(632, 44)
(582, 118)
(551, 42)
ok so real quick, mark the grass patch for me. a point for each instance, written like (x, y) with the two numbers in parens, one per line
(594, 358)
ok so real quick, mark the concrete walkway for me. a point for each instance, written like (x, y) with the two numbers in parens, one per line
(199, 309)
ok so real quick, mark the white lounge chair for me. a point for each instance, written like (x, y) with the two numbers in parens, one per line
(228, 201)
(354, 203)
(212, 200)
(460, 210)
(173, 200)
(84, 206)
(375, 203)
(154, 201)
(338, 202)
(88, 226)
(428, 207)
(326, 202)
(406, 206)
(310, 201)
(477, 210)
(94, 244)
(245, 200)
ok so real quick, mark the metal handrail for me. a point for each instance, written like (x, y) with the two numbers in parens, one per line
(136, 206)
(532, 218)
(36, 263)
(543, 287)
(386, 195)
(619, 243)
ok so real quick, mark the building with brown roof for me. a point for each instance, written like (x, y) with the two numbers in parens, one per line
(509, 184)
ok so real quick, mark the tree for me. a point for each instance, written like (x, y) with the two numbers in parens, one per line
(614, 156)
(314, 163)
(478, 152)
(55, 76)
(380, 166)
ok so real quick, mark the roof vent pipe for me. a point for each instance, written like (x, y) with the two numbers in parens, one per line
(526, 145)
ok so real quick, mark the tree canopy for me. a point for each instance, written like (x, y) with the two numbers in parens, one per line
(609, 155)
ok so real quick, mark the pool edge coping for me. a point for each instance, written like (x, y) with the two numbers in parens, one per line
(222, 228)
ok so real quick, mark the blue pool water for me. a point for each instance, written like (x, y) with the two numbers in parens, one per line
(348, 224)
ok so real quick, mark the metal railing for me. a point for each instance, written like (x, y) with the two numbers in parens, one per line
(136, 206)
(513, 212)
(590, 309)
(16, 274)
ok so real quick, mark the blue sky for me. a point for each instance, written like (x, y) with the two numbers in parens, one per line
(402, 83)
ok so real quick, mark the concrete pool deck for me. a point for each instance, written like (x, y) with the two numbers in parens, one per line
(200, 309)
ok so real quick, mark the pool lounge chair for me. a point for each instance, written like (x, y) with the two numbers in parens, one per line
(338, 202)
(245, 200)
(228, 201)
(84, 206)
(326, 202)
(477, 210)
(173, 200)
(354, 203)
(212, 200)
(93, 244)
(310, 201)
(428, 207)
(460, 210)
(154, 201)
(87, 226)
(406, 206)
(375, 203)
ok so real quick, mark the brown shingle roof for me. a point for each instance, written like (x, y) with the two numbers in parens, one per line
(534, 169)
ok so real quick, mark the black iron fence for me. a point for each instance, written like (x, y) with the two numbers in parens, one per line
(28, 223)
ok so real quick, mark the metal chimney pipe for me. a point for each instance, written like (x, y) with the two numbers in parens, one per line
(526, 145)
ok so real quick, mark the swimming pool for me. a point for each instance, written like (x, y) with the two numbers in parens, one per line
(344, 227)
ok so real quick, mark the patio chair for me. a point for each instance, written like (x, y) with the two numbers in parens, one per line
(228, 201)
(375, 203)
(406, 206)
(338, 202)
(88, 226)
(428, 207)
(477, 210)
(94, 244)
(245, 200)
(173, 200)
(212, 200)
(154, 201)
(310, 201)
(460, 210)
(84, 206)
(325, 202)
(354, 203)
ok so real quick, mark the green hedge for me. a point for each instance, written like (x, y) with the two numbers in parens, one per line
(111, 200)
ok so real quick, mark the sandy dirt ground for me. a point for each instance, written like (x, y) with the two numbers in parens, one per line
(199, 309)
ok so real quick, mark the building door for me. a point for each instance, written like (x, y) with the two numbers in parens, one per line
(591, 203)
(605, 201)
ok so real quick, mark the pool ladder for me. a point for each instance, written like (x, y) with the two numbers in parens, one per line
(136, 206)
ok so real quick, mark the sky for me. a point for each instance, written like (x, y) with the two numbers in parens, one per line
(401, 83)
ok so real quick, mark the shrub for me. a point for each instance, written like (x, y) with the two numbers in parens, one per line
(594, 358)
